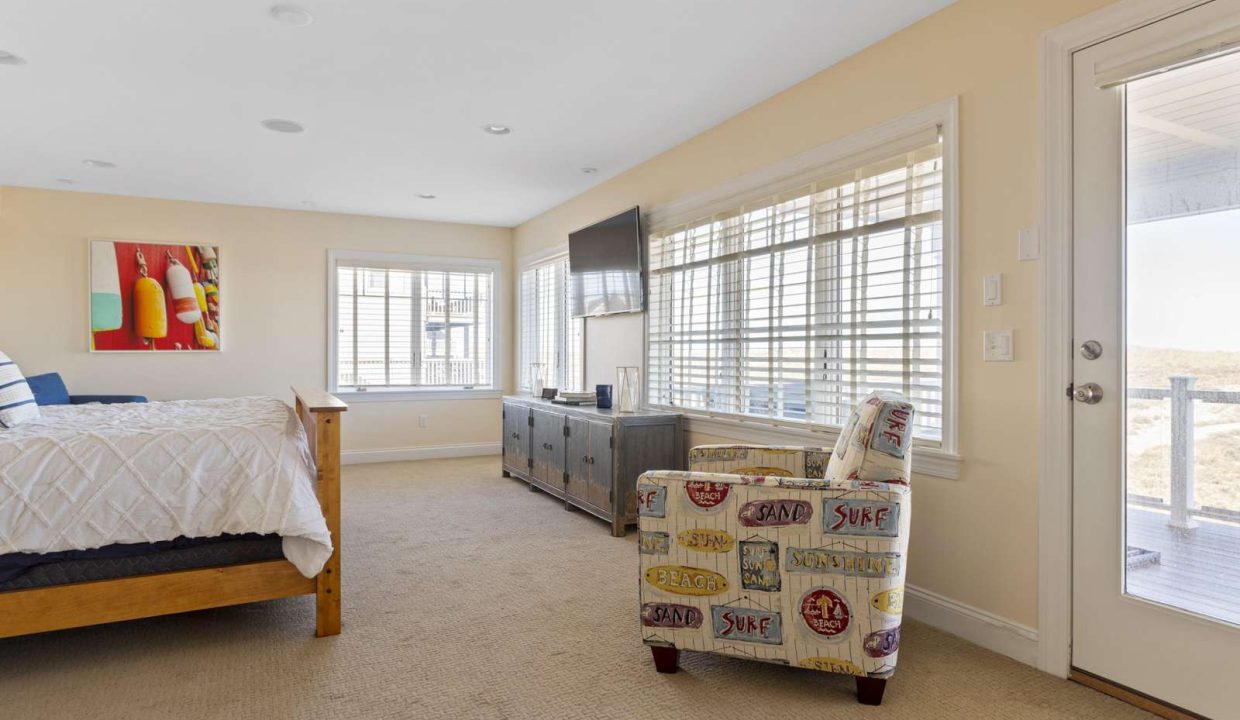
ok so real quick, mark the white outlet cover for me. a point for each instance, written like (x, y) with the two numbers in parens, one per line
(997, 346)
(992, 290)
(1028, 247)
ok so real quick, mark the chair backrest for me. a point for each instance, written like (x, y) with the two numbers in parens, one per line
(49, 389)
(874, 444)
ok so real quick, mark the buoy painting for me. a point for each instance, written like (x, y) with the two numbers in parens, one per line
(154, 297)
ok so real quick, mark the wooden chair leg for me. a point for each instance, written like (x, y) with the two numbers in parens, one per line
(870, 690)
(666, 659)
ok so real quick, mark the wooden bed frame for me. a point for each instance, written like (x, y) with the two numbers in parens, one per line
(23, 612)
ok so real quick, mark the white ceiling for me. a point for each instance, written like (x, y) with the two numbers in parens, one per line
(393, 94)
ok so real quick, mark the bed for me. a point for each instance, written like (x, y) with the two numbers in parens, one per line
(112, 513)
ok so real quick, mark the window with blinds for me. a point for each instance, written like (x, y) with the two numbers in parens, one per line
(795, 306)
(403, 325)
(550, 335)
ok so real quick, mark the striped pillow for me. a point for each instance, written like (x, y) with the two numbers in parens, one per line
(17, 403)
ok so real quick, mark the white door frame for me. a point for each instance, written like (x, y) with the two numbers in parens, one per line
(1055, 446)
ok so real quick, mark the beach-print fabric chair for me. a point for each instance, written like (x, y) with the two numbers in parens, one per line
(786, 555)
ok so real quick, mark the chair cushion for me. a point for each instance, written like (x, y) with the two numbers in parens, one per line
(49, 389)
(874, 445)
(17, 404)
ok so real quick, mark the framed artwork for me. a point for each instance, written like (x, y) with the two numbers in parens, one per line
(154, 297)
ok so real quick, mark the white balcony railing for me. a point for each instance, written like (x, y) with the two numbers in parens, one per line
(432, 372)
(1182, 503)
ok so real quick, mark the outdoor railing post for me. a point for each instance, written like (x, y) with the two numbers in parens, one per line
(1182, 455)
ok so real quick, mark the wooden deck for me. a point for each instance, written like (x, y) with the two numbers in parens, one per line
(1198, 570)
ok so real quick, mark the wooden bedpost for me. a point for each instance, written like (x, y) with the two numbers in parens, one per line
(320, 414)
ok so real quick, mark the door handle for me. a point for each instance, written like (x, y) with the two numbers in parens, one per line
(1089, 393)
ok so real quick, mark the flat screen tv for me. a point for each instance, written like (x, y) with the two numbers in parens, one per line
(605, 261)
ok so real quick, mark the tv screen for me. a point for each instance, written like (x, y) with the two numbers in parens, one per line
(605, 261)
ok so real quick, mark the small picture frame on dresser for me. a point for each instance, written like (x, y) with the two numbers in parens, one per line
(550, 393)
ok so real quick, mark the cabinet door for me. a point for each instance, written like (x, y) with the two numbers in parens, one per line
(549, 448)
(599, 492)
(577, 458)
(516, 436)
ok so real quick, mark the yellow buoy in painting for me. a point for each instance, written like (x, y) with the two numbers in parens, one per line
(150, 313)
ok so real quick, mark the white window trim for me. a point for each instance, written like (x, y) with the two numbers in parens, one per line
(838, 156)
(434, 262)
(526, 262)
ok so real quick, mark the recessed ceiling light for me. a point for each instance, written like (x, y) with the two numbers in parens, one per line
(8, 58)
(282, 126)
(426, 196)
(98, 163)
(291, 15)
(589, 171)
(496, 129)
(64, 181)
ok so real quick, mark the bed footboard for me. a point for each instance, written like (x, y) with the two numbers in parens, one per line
(320, 414)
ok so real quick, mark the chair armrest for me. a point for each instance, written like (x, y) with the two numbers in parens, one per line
(782, 460)
(106, 399)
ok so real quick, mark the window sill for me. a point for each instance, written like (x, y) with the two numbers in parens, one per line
(364, 396)
(926, 460)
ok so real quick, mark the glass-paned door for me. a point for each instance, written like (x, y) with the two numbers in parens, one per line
(1156, 418)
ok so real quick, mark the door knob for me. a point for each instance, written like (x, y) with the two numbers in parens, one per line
(1089, 393)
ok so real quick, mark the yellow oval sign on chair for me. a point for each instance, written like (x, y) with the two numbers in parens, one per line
(761, 472)
(890, 601)
(832, 665)
(686, 580)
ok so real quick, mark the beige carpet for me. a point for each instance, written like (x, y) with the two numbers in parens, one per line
(466, 596)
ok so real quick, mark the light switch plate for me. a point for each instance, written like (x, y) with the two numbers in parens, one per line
(992, 290)
(1028, 247)
(997, 346)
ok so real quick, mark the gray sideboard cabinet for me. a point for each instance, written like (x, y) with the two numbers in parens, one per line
(587, 457)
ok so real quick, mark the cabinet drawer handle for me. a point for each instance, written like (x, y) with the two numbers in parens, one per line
(585, 458)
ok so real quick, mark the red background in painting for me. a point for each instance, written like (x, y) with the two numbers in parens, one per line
(157, 267)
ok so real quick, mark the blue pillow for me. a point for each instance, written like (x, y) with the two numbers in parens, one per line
(49, 389)
(17, 403)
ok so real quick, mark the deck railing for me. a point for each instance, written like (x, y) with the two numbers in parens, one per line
(1183, 501)
(432, 371)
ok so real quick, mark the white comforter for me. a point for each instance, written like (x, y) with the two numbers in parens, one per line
(86, 476)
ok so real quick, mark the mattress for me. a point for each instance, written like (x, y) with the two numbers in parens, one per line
(25, 571)
(86, 477)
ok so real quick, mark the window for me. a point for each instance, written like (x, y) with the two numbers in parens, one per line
(795, 305)
(549, 333)
(407, 322)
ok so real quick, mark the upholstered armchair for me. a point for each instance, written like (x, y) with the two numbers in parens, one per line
(787, 555)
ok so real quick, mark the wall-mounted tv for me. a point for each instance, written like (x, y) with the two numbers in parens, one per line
(605, 261)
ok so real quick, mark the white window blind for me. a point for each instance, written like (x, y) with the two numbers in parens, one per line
(796, 306)
(549, 333)
(399, 325)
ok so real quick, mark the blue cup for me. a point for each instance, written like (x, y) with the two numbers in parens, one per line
(602, 395)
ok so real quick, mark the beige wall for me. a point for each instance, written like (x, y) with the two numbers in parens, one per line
(975, 538)
(274, 263)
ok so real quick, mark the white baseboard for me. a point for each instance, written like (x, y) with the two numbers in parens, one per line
(423, 452)
(979, 627)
